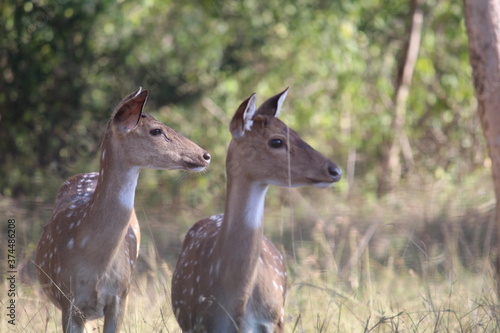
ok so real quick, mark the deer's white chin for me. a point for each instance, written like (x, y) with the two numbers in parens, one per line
(197, 169)
(322, 184)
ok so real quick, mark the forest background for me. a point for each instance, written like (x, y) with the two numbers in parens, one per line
(64, 65)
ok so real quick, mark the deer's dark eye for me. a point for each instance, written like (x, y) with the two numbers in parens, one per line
(156, 132)
(276, 143)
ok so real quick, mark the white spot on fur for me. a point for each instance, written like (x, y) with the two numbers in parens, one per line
(71, 243)
(84, 242)
(217, 267)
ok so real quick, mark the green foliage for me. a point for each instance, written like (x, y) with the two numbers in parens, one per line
(45, 50)
(64, 64)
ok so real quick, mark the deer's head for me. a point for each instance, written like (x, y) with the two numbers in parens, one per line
(147, 143)
(265, 150)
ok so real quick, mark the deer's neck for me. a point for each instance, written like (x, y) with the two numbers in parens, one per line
(111, 207)
(240, 240)
(244, 206)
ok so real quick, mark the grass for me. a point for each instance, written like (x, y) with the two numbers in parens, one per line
(416, 261)
(387, 301)
(400, 302)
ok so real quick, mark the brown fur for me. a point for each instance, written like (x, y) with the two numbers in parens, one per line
(88, 249)
(229, 277)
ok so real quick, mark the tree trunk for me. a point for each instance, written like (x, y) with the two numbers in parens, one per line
(482, 20)
(391, 165)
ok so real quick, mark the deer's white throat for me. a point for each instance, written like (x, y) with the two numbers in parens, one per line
(126, 194)
(254, 208)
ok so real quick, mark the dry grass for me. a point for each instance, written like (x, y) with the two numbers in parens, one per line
(387, 301)
(415, 262)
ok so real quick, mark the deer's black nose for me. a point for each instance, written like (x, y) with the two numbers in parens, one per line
(206, 157)
(335, 172)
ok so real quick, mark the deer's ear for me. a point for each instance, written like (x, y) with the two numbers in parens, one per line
(243, 118)
(132, 95)
(129, 111)
(272, 106)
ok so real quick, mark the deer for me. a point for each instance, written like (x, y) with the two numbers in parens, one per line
(229, 277)
(88, 249)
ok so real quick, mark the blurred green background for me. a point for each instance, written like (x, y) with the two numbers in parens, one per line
(65, 64)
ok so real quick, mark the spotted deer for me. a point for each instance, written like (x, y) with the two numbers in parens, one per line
(229, 276)
(88, 249)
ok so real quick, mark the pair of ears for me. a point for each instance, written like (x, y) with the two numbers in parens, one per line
(243, 118)
(129, 111)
